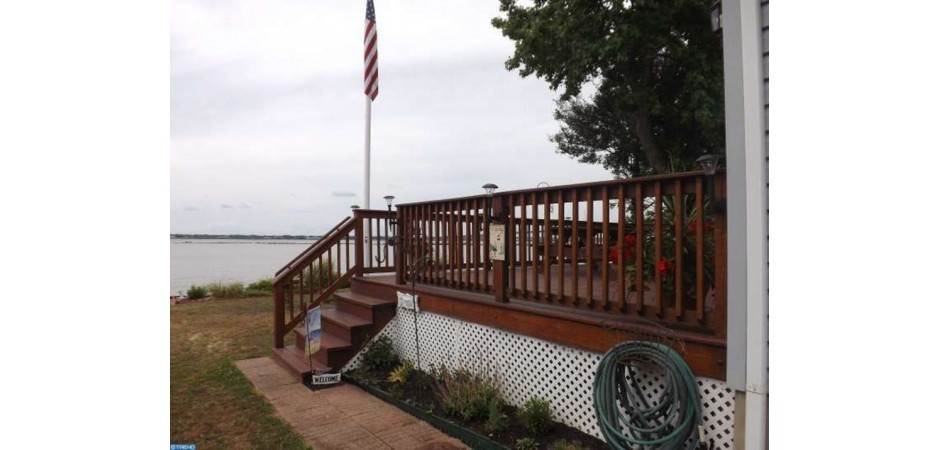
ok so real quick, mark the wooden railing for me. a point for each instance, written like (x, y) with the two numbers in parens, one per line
(355, 246)
(584, 247)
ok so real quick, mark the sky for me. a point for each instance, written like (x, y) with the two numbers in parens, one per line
(268, 112)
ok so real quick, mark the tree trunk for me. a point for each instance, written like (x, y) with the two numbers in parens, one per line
(644, 132)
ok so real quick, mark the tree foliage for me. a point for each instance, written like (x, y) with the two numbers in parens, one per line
(654, 67)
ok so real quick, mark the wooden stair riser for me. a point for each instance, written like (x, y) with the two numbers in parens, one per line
(374, 290)
(356, 335)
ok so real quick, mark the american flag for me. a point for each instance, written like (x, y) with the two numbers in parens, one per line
(371, 53)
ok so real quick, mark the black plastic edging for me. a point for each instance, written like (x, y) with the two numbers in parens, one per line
(467, 436)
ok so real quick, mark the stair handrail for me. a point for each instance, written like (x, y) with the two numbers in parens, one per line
(313, 247)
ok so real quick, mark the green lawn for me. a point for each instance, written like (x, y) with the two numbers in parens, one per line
(211, 403)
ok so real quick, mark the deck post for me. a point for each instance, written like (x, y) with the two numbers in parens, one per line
(278, 315)
(399, 245)
(500, 268)
(360, 243)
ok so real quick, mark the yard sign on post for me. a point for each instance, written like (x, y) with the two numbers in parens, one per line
(313, 331)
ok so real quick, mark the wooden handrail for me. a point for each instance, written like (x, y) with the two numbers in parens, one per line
(313, 246)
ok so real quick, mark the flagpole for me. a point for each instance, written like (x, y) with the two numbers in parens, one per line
(368, 145)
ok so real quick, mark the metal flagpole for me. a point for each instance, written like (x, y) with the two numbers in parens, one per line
(368, 145)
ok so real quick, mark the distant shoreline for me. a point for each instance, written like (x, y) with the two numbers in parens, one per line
(284, 237)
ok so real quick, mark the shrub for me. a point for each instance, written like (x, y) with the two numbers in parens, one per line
(526, 444)
(562, 444)
(196, 292)
(263, 285)
(466, 395)
(536, 415)
(380, 354)
(230, 290)
(401, 373)
(495, 418)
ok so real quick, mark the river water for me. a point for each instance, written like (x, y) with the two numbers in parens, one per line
(203, 261)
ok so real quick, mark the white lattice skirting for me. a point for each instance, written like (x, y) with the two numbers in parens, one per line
(528, 367)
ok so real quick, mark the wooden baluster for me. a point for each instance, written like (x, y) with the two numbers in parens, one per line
(575, 241)
(451, 244)
(486, 246)
(523, 252)
(368, 242)
(441, 252)
(561, 246)
(621, 233)
(455, 247)
(590, 248)
(290, 305)
(438, 238)
(534, 245)
(639, 210)
(659, 247)
(546, 245)
(679, 219)
(699, 252)
(320, 279)
(468, 245)
(511, 244)
(339, 257)
(605, 245)
(425, 249)
(476, 245)
(329, 265)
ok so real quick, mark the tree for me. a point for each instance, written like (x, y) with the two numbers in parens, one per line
(656, 70)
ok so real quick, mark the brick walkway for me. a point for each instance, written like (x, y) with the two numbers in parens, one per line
(343, 417)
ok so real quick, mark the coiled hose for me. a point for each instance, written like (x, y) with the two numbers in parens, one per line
(625, 415)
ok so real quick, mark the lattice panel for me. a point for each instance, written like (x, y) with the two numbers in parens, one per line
(529, 367)
(354, 363)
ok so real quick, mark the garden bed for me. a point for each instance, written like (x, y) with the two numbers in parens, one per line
(464, 405)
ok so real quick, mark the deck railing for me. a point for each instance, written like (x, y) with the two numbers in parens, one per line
(651, 247)
(355, 246)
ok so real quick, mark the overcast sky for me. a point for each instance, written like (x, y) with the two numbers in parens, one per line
(267, 112)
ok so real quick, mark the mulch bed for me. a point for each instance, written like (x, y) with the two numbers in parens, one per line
(425, 398)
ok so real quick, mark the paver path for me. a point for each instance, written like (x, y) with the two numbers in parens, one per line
(343, 417)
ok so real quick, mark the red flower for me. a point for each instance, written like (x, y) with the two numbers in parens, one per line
(662, 267)
(630, 240)
(709, 225)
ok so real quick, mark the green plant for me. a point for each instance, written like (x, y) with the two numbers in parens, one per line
(401, 373)
(466, 395)
(526, 444)
(496, 419)
(379, 354)
(196, 292)
(262, 285)
(223, 290)
(562, 444)
(536, 415)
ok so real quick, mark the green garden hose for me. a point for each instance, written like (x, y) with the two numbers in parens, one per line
(627, 418)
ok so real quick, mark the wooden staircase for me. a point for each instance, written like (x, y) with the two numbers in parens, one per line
(356, 315)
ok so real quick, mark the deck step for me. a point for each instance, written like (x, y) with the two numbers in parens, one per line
(344, 319)
(296, 361)
(363, 300)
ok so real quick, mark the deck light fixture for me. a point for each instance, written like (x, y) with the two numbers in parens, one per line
(716, 16)
(390, 226)
(490, 189)
(709, 164)
(354, 207)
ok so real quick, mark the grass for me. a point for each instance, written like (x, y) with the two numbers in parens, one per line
(212, 404)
